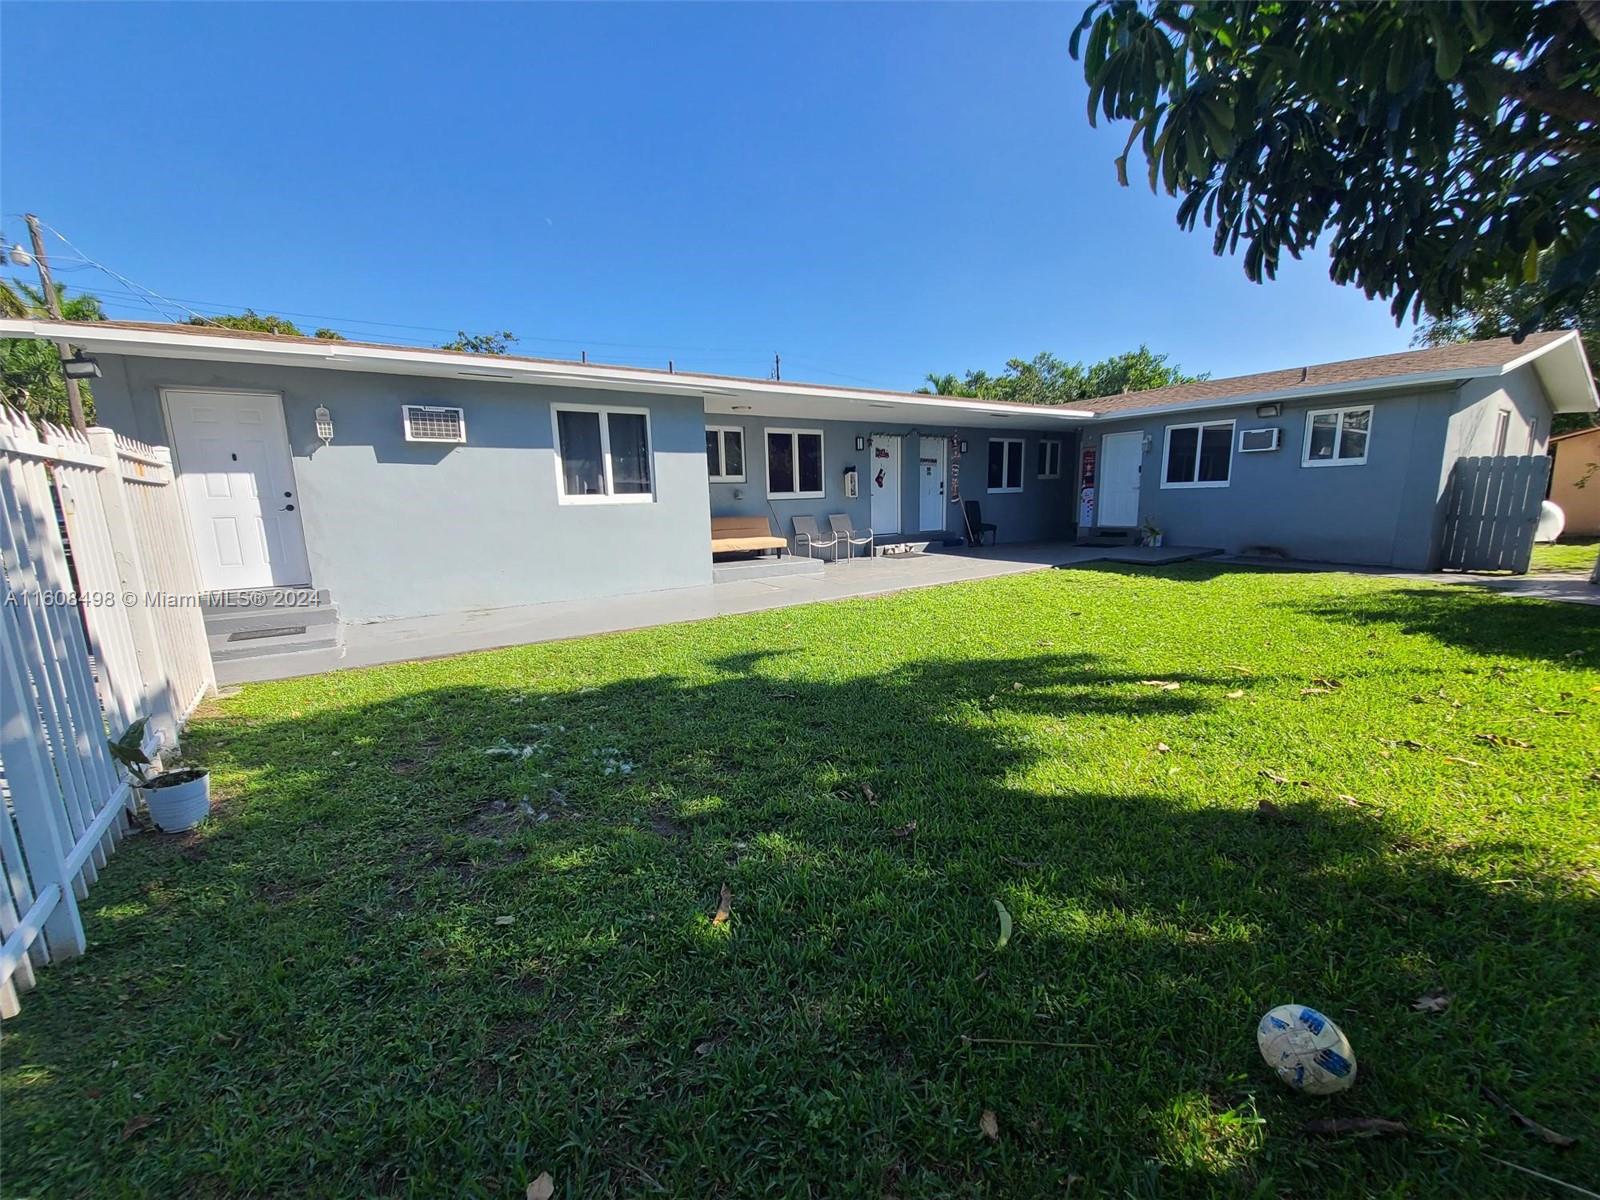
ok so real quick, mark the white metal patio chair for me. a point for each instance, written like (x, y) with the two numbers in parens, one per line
(853, 537)
(808, 537)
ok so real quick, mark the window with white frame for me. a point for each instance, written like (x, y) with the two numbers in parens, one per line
(603, 455)
(794, 464)
(1502, 430)
(1005, 464)
(1337, 437)
(1049, 459)
(1198, 455)
(725, 453)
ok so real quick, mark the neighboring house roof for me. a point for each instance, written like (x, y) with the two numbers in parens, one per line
(1557, 356)
(1592, 431)
(1441, 366)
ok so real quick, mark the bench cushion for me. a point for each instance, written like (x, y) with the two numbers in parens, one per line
(743, 533)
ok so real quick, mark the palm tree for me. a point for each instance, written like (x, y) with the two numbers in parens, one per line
(30, 371)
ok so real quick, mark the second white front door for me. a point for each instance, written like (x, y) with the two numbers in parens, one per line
(1121, 461)
(236, 478)
(930, 471)
(884, 474)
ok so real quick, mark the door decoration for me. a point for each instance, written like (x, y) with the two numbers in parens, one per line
(1086, 488)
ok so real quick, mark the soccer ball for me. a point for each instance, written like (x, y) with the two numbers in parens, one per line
(1309, 1052)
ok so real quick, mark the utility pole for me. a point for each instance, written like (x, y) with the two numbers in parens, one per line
(777, 368)
(52, 304)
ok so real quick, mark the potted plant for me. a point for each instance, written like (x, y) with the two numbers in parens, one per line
(1152, 534)
(178, 799)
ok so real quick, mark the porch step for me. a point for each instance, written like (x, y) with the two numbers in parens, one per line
(270, 623)
(1110, 537)
(765, 568)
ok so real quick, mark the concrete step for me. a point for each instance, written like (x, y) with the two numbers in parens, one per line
(229, 622)
(225, 651)
(278, 666)
(258, 599)
(765, 568)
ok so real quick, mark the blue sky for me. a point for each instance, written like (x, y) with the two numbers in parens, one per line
(876, 192)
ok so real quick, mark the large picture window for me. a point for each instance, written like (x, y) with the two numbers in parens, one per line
(1005, 464)
(1337, 437)
(794, 464)
(1199, 455)
(725, 454)
(603, 455)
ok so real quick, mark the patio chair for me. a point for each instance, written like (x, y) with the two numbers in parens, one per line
(973, 512)
(853, 537)
(808, 537)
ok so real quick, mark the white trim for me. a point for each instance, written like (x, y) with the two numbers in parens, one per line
(610, 496)
(1502, 431)
(1056, 443)
(1199, 441)
(722, 432)
(794, 443)
(1338, 436)
(1005, 465)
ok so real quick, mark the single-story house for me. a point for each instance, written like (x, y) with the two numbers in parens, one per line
(1575, 480)
(403, 481)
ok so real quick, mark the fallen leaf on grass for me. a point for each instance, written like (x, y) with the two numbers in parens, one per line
(505, 920)
(1330, 685)
(1435, 1001)
(1466, 762)
(724, 907)
(1236, 694)
(541, 1188)
(1500, 739)
(867, 794)
(1543, 1133)
(905, 830)
(1278, 777)
(1353, 1127)
(1268, 811)
(1315, 691)
(1005, 926)
(989, 1124)
(1166, 685)
(1239, 667)
(1163, 748)
(135, 1124)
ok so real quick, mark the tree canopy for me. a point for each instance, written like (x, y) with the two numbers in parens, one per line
(1444, 145)
(1046, 379)
(250, 321)
(481, 343)
(30, 371)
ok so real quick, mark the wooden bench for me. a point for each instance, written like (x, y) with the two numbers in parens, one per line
(730, 534)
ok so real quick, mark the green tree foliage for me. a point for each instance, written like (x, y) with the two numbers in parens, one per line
(30, 371)
(481, 343)
(1501, 309)
(1444, 144)
(1046, 379)
(250, 321)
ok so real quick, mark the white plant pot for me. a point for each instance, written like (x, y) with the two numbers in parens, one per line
(179, 806)
(1153, 540)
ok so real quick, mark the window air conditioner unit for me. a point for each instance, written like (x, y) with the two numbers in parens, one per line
(1255, 441)
(428, 423)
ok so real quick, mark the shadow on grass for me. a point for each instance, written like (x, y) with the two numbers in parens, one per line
(441, 942)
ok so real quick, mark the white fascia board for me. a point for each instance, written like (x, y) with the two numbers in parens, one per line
(1566, 376)
(1431, 381)
(339, 356)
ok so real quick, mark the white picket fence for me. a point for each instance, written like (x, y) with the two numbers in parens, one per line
(100, 625)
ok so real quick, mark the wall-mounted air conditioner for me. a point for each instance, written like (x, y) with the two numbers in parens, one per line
(429, 423)
(1256, 441)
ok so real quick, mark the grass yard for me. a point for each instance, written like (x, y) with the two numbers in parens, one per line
(453, 923)
(1565, 556)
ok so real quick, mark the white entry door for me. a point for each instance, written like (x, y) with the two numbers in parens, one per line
(238, 487)
(930, 464)
(1121, 460)
(885, 476)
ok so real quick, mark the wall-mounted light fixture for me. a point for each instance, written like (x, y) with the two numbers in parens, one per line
(324, 425)
(963, 445)
(1269, 410)
(861, 442)
(1147, 441)
(80, 366)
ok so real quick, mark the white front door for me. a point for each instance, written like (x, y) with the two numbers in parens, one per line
(238, 487)
(1121, 460)
(930, 463)
(884, 473)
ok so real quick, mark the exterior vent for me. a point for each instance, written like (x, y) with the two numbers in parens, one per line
(1255, 441)
(427, 423)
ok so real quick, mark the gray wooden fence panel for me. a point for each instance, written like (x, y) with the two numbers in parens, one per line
(1492, 511)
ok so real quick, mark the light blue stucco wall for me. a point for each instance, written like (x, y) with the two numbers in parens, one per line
(394, 528)
(1381, 512)
(1042, 510)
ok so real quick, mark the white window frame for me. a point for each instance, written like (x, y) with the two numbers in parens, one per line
(1202, 426)
(1005, 462)
(1338, 437)
(794, 444)
(722, 432)
(1051, 447)
(610, 496)
(1502, 431)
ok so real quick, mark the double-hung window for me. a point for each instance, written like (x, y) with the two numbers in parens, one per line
(603, 455)
(725, 453)
(1005, 464)
(1049, 459)
(794, 464)
(1337, 437)
(1199, 455)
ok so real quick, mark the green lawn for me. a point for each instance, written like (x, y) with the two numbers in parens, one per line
(374, 973)
(1565, 556)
